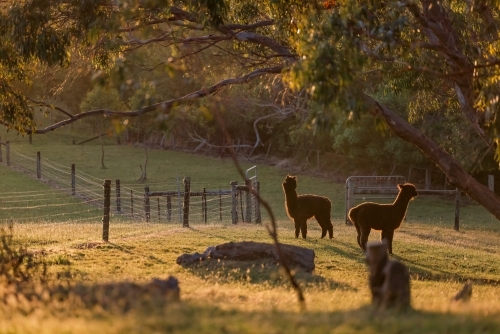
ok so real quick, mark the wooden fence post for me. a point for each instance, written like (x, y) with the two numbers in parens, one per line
(7, 152)
(131, 202)
(158, 200)
(147, 207)
(258, 217)
(187, 190)
(241, 206)
(169, 208)
(118, 196)
(179, 200)
(491, 182)
(204, 205)
(73, 179)
(457, 210)
(107, 204)
(234, 202)
(248, 211)
(220, 205)
(38, 165)
(427, 178)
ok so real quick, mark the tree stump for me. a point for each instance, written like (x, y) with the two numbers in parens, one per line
(295, 256)
(389, 280)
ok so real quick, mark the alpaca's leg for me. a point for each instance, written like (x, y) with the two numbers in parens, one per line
(322, 223)
(303, 228)
(326, 225)
(358, 229)
(297, 227)
(365, 232)
(323, 232)
(330, 229)
(388, 235)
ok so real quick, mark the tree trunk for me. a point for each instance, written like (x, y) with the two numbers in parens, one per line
(455, 173)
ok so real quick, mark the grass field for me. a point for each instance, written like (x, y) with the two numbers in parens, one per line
(241, 298)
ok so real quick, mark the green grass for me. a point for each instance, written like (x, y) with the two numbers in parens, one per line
(246, 298)
(225, 297)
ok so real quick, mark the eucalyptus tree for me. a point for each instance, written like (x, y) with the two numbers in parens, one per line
(344, 54)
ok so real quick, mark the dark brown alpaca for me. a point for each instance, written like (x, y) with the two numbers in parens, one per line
(384, 217)
(301, 208)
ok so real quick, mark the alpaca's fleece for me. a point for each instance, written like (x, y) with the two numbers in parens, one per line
(384, 217)
(301, 208)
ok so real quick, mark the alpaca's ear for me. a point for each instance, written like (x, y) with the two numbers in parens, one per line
(400, 186)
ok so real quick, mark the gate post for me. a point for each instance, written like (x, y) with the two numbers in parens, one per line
(258, 217)
(349, 201)
(248, 209)
(234, 202)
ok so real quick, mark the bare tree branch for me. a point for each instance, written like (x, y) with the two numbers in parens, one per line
(272, 230)
(164, 106)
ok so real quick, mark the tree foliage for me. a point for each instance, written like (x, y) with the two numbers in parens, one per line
(345, 58)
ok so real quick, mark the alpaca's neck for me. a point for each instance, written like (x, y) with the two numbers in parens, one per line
(291, 199)
(401, 202)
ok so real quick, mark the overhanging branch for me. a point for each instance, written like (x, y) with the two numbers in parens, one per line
(164, 106)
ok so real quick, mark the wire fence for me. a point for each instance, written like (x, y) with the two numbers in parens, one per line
(71, 208)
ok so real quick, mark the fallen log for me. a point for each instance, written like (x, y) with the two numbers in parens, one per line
(295, 256)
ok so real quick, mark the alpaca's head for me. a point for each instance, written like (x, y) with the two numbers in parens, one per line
(408, 190)
(290, 183)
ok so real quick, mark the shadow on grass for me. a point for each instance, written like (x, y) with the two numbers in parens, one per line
(365, 319)
(106, 246)
(426, 273)
(354, 253)
(256, 272)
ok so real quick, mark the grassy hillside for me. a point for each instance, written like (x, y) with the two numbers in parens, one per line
(244, 298)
